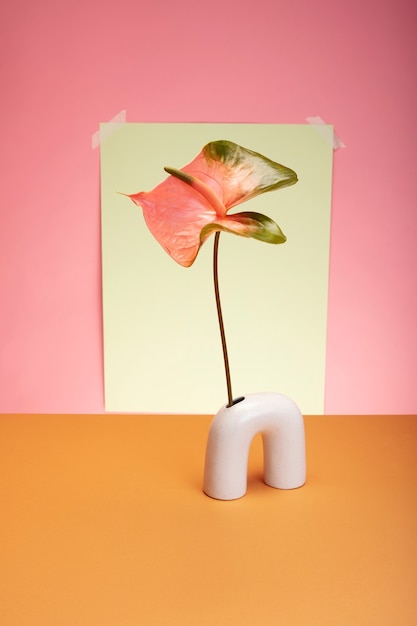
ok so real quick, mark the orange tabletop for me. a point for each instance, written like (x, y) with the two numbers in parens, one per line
(104, 523)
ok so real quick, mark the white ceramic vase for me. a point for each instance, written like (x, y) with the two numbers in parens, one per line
(232, 430)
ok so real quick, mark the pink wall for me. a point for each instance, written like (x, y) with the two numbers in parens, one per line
(68, 66)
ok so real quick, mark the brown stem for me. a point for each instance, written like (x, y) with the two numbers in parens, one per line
(220, 317)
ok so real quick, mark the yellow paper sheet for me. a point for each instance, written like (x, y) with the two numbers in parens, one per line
(162, 350)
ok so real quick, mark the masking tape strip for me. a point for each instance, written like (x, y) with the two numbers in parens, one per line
(317, 121)
(107, 130)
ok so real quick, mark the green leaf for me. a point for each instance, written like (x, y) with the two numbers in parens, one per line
(246, 224)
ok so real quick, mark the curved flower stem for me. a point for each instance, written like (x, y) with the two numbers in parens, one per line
(220, 317)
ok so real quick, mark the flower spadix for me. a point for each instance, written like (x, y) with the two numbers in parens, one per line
(192, 203)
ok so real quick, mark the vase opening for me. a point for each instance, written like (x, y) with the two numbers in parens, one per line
(235, 401)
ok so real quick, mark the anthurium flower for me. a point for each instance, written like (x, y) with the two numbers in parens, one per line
(190, 205)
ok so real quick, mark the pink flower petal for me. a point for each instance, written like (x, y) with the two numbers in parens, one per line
(183, 210)
(175, 214)
(242, 174)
